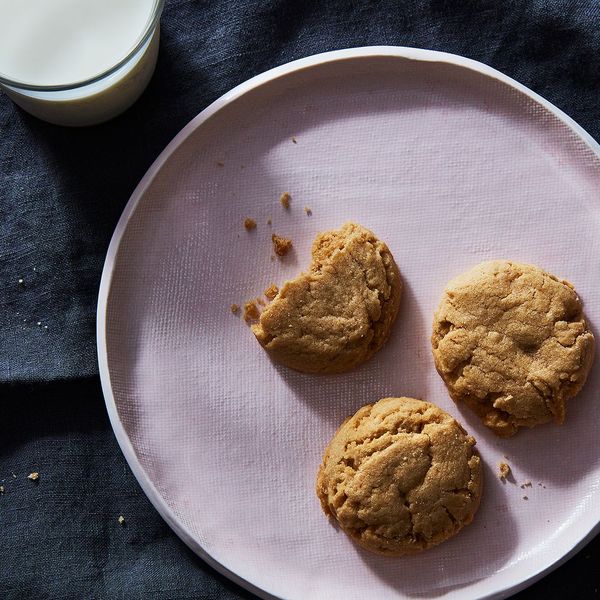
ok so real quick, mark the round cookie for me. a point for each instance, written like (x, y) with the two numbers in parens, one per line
(512, 343)
(339, 313)
(400, 476)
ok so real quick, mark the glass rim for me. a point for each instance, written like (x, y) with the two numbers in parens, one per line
(142, 39)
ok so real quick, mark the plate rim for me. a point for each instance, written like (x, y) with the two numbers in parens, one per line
(504, 586)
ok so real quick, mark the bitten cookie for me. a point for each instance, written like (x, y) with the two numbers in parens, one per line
(512, 343)
(338, 314)
(400, 476)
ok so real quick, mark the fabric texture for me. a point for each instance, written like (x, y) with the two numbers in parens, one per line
(61, 194)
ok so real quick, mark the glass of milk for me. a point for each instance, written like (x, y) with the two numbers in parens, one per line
(77, 62)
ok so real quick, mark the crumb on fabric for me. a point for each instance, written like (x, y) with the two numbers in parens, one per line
(526, 484)
(251, 311)
(260, 301)
(14, 475)
(504, 473)
(1, 489)
(121, 520)
(285, 199)
(269, 222)
(281, 245)
(220, 163)
(271, 291)
(33, 476)
(21, 281)
(235, 308)
(294, 140)
(308, 211)
(525, 498)
(249, 224)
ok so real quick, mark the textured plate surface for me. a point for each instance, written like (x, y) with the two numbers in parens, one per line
(450, 163)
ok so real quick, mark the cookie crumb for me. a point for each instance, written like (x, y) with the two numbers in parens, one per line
(235, 309)
(33, 476)
(504, 473)
(269, 222)
(285, 199)
(294, 140)
(526, 484)
(271, 291)
(1, 489)
(525, 498)
(281, 245)
(308, 211)
(121, 520)
(249, 224)
(260, 301)
(220, 163)
(251, 311)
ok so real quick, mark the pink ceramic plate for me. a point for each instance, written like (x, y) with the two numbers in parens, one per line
(450, 163)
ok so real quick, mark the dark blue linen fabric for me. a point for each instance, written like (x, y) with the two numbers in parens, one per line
(61, 193)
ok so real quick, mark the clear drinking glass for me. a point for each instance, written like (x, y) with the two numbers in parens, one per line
(99, 98)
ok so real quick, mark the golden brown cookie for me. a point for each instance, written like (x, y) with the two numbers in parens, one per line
(339, 313)
(512, 343)
(400, 476)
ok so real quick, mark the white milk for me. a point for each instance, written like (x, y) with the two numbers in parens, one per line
(63, 42)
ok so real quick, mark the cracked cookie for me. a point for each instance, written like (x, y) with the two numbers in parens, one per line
(400, 476)
(511, 342)
(339, 313)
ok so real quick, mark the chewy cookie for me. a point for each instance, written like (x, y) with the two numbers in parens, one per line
(512, 343)
(339, 313)
(400, 476)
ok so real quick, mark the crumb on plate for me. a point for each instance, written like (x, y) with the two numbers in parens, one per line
(281, 245)
(251, 311)
(271, 291)
(285, 199)
(504, 473)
